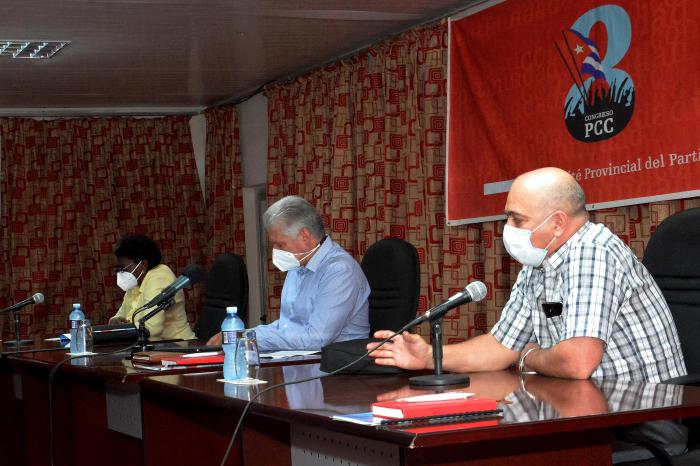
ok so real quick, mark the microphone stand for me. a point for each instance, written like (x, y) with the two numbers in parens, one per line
(18, 340)
(142, 342)
(438, 379)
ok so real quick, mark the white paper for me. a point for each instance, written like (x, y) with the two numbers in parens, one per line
(366, 419)
(246, 381)
(202, 354)
(288, 353)
(437, 397)
(65, 336)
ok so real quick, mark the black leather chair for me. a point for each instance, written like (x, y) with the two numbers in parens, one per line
(393, 272)
(227, 285)
(673, 259)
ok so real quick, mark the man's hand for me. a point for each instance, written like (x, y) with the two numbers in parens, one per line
(408, 351)
(216, 340)
(116, 320)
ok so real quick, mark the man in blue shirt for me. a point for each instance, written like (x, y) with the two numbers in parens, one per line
(324, 297)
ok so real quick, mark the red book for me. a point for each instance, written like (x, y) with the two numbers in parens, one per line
(452, 426)
(193, 360)
(407, 409)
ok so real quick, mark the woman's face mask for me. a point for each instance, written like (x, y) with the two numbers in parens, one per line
(127, 280)
(518, 243)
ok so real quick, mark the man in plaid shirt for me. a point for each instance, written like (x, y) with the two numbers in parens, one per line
(582, 305)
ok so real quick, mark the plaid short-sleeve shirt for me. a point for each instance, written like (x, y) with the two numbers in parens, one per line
(605, 293)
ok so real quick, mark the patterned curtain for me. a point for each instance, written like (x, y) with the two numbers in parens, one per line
(71, 188)
(224, 197)
(364, 141)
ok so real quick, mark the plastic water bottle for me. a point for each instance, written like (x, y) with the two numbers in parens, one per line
(76, 318)
(231, 329)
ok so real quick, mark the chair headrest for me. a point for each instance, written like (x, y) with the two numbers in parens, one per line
(674, 248)
(225, 274)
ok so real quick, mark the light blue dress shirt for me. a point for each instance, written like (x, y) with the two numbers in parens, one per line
(322, 302)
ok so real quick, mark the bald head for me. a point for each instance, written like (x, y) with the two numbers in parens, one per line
(548, 189)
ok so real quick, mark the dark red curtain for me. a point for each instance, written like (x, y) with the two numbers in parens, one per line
(224, 195)
(71, 188)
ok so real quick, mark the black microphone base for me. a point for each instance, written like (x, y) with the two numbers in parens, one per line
(141, 347)
(439, 380)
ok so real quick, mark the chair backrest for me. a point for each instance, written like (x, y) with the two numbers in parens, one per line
(673, 259)
(227, 285)
(393, 272)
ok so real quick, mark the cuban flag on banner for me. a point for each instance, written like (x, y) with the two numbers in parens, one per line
(588, 62)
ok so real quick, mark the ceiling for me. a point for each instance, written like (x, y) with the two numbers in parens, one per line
(183, 55)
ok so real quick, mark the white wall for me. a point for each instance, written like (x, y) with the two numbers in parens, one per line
(198, 129)
(252, 122)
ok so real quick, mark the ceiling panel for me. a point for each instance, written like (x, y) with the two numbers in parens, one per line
(184, 53)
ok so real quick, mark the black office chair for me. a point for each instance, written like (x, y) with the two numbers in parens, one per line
(673, 259)
(393, 272)
(227, 285)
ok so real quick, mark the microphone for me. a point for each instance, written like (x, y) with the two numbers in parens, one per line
(475, 291)
(191, 275)
(36, 299)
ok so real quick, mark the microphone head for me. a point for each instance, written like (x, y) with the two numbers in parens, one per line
(477, 290)
(194, 272)
(38, 298)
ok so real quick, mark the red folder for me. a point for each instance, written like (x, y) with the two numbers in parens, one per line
(452, 426)
(408, 409)
(187, 361)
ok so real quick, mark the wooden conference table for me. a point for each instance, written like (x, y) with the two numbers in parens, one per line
(109, 413)
(189, 418)
(96, 405)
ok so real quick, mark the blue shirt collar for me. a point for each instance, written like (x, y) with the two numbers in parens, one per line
(319, 255)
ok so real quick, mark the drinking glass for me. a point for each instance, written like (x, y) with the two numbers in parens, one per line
(247, 356)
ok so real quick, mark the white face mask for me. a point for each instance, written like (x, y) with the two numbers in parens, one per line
(285, 260)
(519, 245)
(127, 280)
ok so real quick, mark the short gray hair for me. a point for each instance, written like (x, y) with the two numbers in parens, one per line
(292, 213)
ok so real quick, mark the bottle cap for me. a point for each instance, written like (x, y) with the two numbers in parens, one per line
(232, 310)
(76, 305)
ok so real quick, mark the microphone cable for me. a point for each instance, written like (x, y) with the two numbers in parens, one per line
(479, 291)
(52, 375)
(246, 408)
(137, 312)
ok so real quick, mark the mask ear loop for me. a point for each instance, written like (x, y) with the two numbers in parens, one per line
(546, 248)
(543, 222)
(137, 265)
(550, 243)
(310, 252)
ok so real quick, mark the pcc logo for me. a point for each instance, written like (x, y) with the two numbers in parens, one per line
(600, 101)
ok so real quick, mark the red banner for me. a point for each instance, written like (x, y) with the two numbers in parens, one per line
(608, 92)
